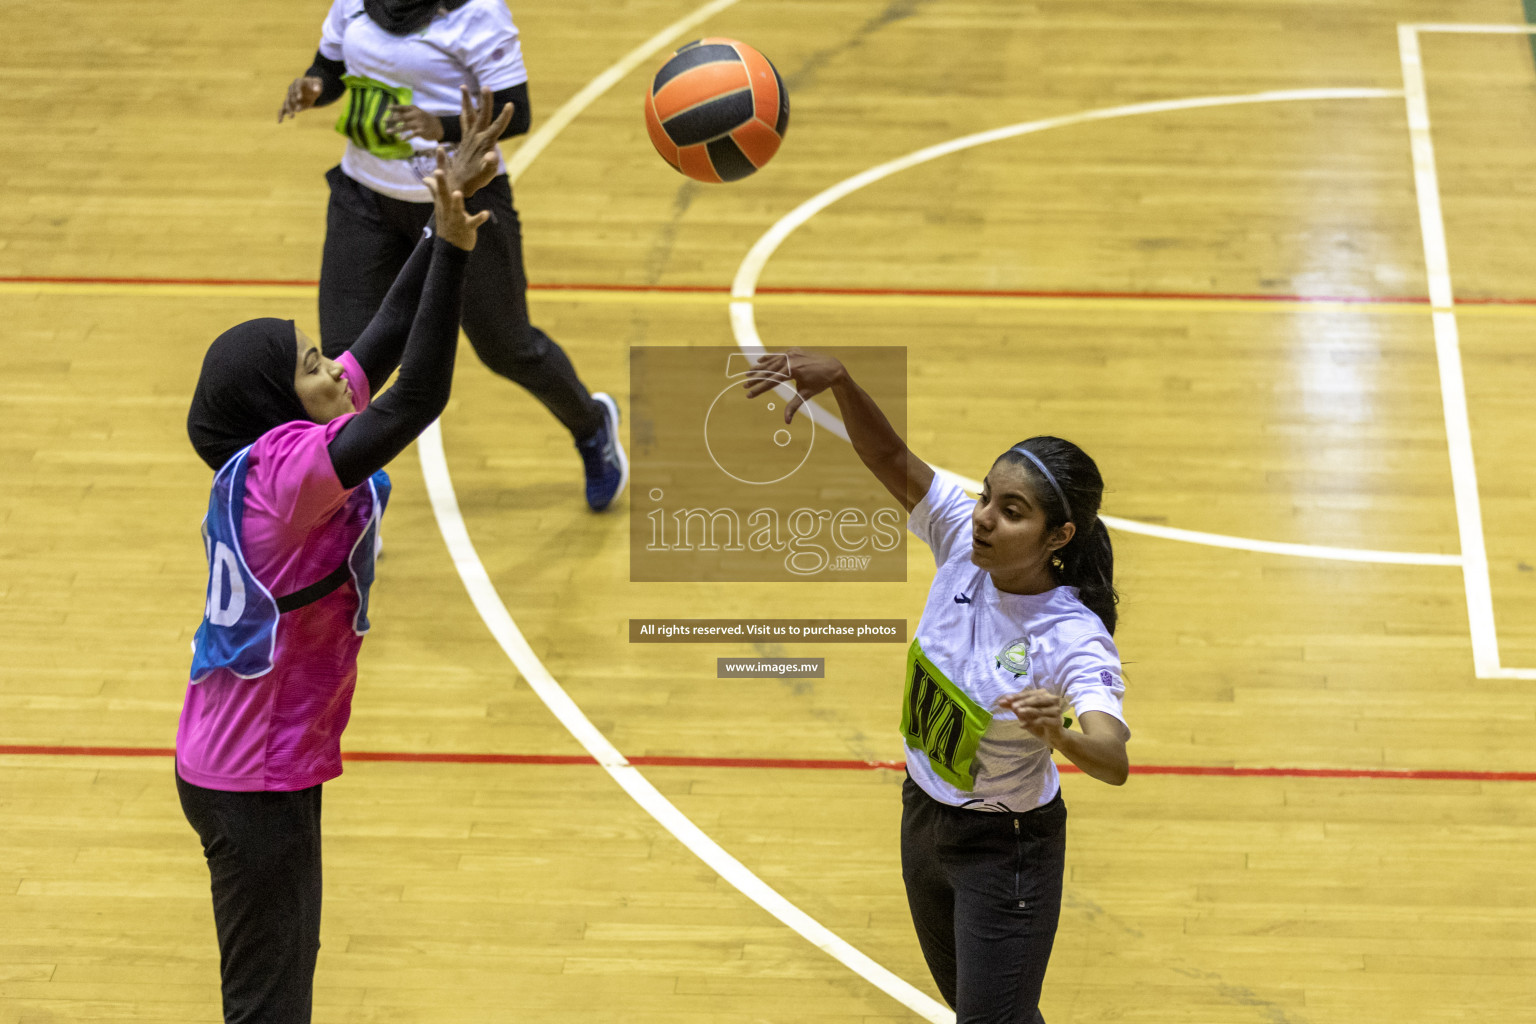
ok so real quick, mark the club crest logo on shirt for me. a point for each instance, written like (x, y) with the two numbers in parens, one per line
(1014, 657)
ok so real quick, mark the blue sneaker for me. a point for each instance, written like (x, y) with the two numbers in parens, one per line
(603, 457)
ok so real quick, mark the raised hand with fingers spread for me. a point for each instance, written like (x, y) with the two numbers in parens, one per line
(471, 164)
(455, 225)
(873, 438)
(811, 372)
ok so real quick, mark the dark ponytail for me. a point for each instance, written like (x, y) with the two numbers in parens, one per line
(1087, 562)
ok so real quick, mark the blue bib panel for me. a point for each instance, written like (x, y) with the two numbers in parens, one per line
(239, 627)
(360, 561)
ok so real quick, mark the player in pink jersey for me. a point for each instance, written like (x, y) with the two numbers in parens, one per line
(298, 447)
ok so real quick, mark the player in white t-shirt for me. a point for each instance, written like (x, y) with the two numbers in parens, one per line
(1016, 629)
(401, 64)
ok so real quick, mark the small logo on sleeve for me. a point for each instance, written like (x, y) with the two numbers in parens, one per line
(962, 599)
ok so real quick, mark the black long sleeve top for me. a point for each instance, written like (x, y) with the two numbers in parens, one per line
(417, 328)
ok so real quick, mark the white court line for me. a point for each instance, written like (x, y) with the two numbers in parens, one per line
(744, 288)
(1275, 547)
(745, 284)
(498, 620)
(1453, 392)
(539, 140)
(1509, 30)
(1220, 540)
(493, 611)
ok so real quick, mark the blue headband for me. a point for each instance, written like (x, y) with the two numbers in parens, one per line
(1032, 457)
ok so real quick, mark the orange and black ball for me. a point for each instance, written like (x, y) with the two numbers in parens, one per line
(717, 110)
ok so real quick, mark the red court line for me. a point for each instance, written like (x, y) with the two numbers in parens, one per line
(200, 281)
(51, 751)
(979, 293)
(671, 761)
(642, 761)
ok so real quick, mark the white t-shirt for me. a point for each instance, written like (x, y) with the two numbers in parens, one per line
(474, 45)
(988, 644)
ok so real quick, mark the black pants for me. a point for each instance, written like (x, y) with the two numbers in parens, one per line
(368, 238)
(985, 893)
(263, 852)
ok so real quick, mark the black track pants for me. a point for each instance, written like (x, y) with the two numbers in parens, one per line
(263, 852)
(368, 238)
(985, 893)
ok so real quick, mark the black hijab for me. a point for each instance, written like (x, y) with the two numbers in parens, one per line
(245, 389)
(402, 17)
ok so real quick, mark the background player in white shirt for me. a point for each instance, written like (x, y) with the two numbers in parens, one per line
(401, 64)
(1016, 627)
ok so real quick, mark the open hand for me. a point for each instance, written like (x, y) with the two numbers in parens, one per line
(454, 224)
(473, 161)
(811, 372)
(1038, 711)
(413, 123)
(302, 93)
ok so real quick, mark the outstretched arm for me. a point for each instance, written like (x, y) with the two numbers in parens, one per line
(376, 435)
(379, 348)
(882, 450)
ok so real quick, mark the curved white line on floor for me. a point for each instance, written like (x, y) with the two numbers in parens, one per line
(445, 506)
(745, 284)
(1275, 547)
(450, 521)
(539, 140)
(744, 287)
(1221, 540)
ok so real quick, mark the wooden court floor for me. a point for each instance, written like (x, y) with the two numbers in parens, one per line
(1226, 304)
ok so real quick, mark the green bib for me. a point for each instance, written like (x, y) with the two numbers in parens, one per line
(362, 120)
(941, 721)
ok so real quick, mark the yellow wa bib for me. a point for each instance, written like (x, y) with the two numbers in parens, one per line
(939, 719)
(362, 120)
